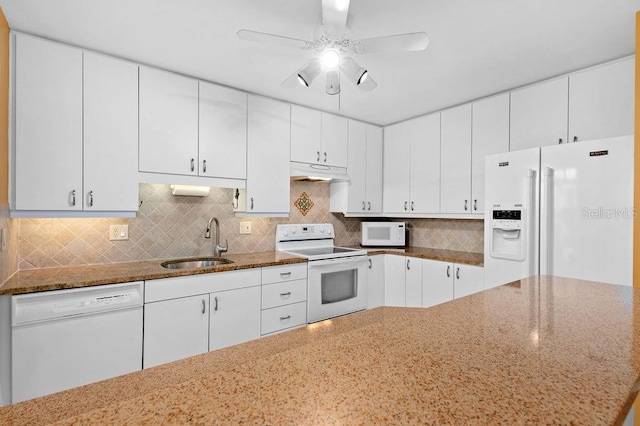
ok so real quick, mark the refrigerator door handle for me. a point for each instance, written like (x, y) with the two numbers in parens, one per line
(546, 223)
(531, 210)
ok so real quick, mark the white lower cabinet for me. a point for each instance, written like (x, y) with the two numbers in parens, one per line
(284, 297)
(375, 281)
(234, 317)
(437, 282)
(187, 316)
(468, 279)
(394, 281)
(413, 282)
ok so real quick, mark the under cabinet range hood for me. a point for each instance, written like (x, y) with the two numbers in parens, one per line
(317, 172)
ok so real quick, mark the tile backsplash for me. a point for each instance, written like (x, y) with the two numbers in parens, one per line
(170, 226)
(9, 254)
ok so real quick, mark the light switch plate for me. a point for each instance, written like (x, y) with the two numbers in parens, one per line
(118, 232)
(245, 228)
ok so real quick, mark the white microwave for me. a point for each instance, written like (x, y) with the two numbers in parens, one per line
(383, 234)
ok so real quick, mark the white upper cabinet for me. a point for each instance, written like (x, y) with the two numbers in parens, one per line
(373, 177)
(76, 130)
(601, 101)
(306, 135)
(318, 137)
(222, 127)
(411, 177)
(48, 126)
(168, 123)
(268, 145)
(334, 140)
(489, 135)
(110, 134)
(539, 114)
(357, 168)
(455, 160)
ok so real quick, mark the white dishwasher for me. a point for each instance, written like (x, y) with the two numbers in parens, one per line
(67, 338)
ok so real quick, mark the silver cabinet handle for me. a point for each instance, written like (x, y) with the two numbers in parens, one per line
(90, 202)
(408, 265)
(215, 303)
(369, 263)
(575, 139)
(466, 205)
(325, 157)
(285, 318)
(285, 294)
(457, 273)
(204, 305)
(369, 205)
(204, 166)
(73, 198)
(448, 271)
(251, 203)
(363, 206)
(285, 274)
(412, 206)
(560, 140)
(405, 206)
(475, 205)
(193, 164)
(318, 159)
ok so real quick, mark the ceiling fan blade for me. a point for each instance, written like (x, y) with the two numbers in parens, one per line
(273, 39)
(399, 42)
(368, 84)
(334, 14)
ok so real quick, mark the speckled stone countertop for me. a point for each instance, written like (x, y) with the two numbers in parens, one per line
(467, 258)
(32, 280)
(543, 350)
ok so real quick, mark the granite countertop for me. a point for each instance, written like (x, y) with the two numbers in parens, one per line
(543, 350)
(32, 280)
(467, 258)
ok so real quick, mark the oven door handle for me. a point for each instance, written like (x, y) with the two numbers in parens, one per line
(337, 261)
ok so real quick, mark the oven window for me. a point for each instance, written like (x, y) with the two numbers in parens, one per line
(339, 286)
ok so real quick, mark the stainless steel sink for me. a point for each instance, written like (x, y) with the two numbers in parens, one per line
(200, 262)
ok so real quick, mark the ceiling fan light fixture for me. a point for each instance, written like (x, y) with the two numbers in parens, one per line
(307, 74)
(333, 83)
(330, 59)
(354, 71)
(363, 77)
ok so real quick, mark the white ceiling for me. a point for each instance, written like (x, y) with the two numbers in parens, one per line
(477, 47)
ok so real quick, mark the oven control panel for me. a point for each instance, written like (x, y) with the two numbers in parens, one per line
(305, 231)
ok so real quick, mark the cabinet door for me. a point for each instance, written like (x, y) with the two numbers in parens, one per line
(394, 280)
(357, 169)
(306, 133)
(235, 317)
(489, 135)
(413, 282)
(168, 123)
(175, 329)
(437, 282)
(468, 279)
(455, 160)
(375, 281)
(334, 140)
(539, 115)
(396, 172)
(425, 164)
(268, 156)
(374, 169)
(222, 127)
(601, 101)
(48, 125)
(110, 134)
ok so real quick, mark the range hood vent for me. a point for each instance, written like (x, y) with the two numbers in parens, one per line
(317, 172)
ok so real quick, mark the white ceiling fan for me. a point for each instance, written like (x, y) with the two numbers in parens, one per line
(334, 49)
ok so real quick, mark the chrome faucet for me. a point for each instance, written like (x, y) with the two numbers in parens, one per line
(217, 250)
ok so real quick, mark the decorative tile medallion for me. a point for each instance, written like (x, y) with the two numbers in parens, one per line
(303, 203)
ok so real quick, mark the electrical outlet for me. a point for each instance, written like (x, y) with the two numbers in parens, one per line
(118, 232)
(245, 228)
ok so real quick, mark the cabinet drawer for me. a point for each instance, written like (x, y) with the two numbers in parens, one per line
(286, 293)
(276, 274)
(283, 317)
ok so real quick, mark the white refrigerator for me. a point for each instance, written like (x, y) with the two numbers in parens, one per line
(564, 210)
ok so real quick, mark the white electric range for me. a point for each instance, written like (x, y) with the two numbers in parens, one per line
(336, 277)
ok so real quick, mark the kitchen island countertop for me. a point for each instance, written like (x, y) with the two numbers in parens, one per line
(543, 350)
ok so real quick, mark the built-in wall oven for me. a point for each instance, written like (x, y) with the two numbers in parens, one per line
(337, 276)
